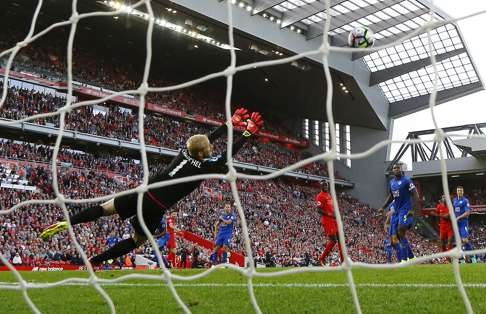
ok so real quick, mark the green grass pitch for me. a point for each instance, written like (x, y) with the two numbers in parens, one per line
(415, 289)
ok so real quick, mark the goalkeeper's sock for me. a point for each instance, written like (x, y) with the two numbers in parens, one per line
(87, 215)
(327, 250)
(468, 247)
(117, 250)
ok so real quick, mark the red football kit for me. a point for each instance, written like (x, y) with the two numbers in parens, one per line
(445, 224)
(170, 228)
(324, 201)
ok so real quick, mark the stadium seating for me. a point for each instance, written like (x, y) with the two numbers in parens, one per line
(48, 59)
(282, 218)
(122, 124)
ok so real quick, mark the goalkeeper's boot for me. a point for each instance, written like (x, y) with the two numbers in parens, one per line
(54, 229)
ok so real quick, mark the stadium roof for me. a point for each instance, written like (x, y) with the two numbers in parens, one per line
(381, 85)
(403, 71)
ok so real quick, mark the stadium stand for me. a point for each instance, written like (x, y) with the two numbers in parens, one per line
(159, 131)
(277, 212)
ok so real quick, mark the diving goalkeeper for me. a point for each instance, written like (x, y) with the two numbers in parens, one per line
(195, 159)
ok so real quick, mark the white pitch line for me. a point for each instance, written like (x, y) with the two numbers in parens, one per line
(34, 285)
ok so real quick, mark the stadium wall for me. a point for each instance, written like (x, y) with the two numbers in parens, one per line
(368, 174)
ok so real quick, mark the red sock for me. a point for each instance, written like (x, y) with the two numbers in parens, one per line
(340, 253)
(171, 258)
(327, 250)
(449, 246)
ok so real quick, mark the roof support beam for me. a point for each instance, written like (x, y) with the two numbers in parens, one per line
(261, 5)
(306, 11)
(386, 24)
(388, 40)
(411, 105)
(347, 18)
(451, 129)
(386, 74)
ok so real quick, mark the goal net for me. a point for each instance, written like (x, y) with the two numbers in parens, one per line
(250, 272)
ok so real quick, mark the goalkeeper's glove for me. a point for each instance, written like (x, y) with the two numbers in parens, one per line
(239, 117)
(253, 125)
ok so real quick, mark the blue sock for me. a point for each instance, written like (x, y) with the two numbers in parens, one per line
(388, 257)
(410, 253)
(404, 247)
(468, 247)
(396, 248)
(166, 263)
(225, 257)
(214, 258)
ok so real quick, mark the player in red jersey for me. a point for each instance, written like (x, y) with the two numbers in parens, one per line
(171, 245)
(445, 225)
(328, 221)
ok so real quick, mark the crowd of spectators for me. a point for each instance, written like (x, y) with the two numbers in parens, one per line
(97, 67)
(117, 122)
(19, 231)
(23, 151)
(282, 218)
(477, 195)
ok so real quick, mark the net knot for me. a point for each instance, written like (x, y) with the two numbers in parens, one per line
(74, 18)
(143, 89)
(325, 48)
(331, 155)
(142, 188)
(67, 109)
(60, 198)
(22, 44)
(232, 174)
(230, 71)
(439, 135)
(93, 280)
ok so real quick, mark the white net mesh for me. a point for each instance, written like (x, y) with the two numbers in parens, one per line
(250, 271)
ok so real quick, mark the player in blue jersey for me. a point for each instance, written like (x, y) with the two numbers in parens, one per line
(462, 210)
(163, 238)
(405, 197)
(112, 239)
(224, 232)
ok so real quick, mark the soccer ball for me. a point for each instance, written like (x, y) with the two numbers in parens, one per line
(361, 37)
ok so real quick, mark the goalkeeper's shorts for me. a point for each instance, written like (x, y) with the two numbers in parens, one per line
(152, 211)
